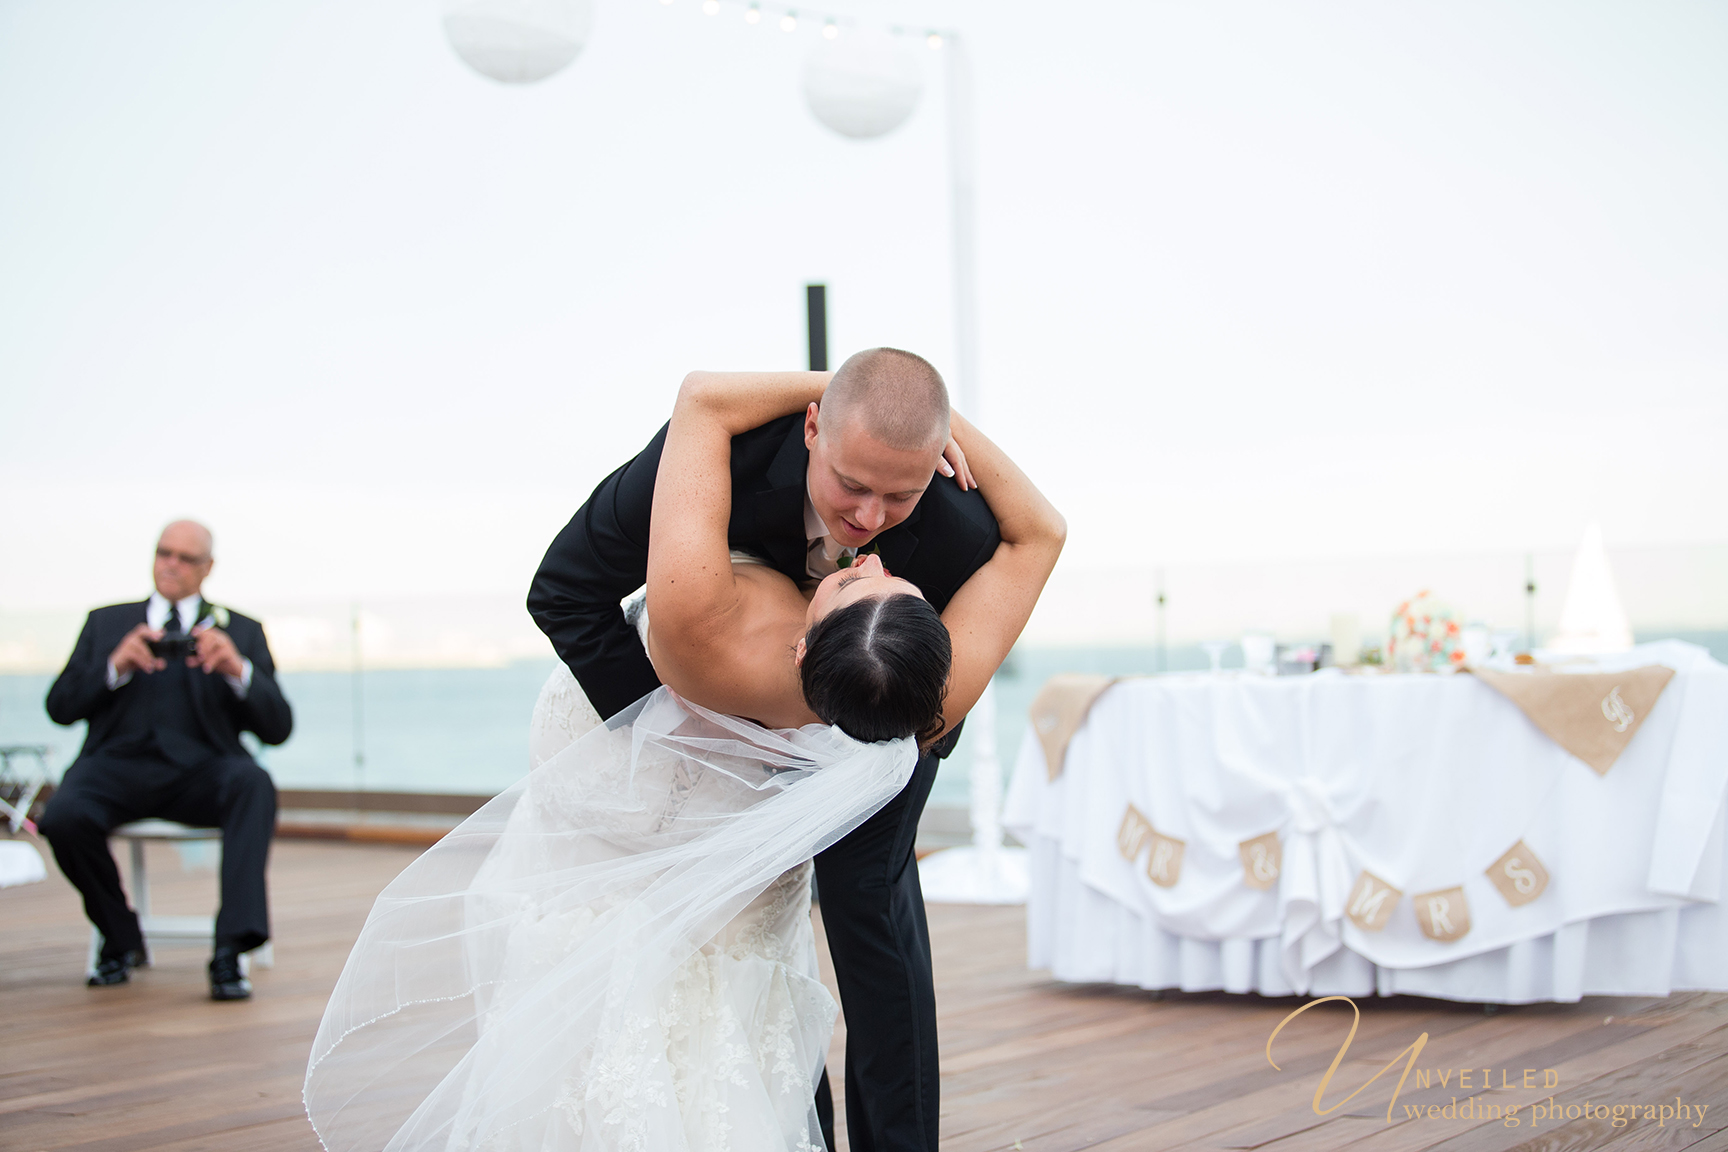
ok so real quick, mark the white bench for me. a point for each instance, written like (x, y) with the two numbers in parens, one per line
(169, 930)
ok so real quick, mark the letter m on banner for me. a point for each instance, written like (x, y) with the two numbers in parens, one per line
(1133, 833)
(1371, 902)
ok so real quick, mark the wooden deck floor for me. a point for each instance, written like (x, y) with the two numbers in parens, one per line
(1027, 1064)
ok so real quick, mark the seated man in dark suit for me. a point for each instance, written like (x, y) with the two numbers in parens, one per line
(168, 684)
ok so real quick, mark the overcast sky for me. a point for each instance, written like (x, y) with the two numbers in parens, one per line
(1257, 279)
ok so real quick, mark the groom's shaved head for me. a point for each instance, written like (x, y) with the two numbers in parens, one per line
(874, 441)
(899, 397)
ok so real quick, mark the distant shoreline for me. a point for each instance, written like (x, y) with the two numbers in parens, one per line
(465, 729)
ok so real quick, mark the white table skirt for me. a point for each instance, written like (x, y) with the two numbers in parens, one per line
(1084, 937)
(1422, 780)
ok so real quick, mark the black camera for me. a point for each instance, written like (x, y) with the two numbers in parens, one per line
(179, 648)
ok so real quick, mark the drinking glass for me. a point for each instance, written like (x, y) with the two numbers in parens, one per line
(1214, 650)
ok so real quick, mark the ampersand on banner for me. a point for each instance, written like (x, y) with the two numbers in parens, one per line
(1616, 711)
(1262, 861)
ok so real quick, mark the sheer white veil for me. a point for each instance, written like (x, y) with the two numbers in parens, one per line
(499, 973)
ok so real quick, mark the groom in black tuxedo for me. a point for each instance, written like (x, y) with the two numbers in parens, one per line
(808, 491)
(168, 684)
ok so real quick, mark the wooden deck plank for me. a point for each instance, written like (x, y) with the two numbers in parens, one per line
(156, 1067)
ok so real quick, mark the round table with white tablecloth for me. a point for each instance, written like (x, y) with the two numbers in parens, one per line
(1355, 834)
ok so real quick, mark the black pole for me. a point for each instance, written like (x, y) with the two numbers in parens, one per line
(1163, 646)
(1530, 602)
(816, 308)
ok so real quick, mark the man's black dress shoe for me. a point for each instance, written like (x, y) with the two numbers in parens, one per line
(116, 970)
(226, 982)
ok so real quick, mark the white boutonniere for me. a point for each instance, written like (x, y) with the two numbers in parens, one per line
(215, 614)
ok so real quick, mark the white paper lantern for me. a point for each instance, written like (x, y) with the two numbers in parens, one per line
(518, 41)
(863, 84)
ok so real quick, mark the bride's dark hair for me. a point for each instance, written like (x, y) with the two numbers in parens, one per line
(878, 668)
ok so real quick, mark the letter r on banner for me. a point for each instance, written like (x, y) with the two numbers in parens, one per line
(1444, 914)
(1164, 867)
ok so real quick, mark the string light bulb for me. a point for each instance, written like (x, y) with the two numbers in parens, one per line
(753, 14)
(934, 40)
(710, 7)
(789, 22)
(830, 30)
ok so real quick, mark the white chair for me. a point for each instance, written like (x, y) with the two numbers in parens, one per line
(170, 930)
(23, 787)
(20, 863)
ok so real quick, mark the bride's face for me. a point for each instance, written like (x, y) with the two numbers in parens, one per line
(864, 579)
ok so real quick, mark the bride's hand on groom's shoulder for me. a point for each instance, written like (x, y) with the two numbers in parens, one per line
(953, 464)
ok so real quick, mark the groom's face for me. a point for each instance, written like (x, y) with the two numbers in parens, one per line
(859, 485)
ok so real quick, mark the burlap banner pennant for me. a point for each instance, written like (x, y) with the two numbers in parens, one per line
(1443, 914)
(1060, 708)
(1518, 875)
(1133, 833)
(1592, 715)
(1164, 865)
(1371, 902)
(1262, 861)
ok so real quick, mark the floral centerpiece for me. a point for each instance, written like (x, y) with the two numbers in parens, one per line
(1427, 636)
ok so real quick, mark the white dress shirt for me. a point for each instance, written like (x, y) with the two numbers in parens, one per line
(156, 615)
(824, 560)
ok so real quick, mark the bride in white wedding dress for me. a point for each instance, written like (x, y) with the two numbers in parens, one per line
(617, 952)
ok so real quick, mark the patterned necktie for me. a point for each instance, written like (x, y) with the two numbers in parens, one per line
(171, 626)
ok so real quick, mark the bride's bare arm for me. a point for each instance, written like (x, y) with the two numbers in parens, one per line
(692, 598)
(987, 614)
(740, 401)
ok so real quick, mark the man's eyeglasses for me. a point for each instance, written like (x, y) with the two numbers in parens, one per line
(185, 558)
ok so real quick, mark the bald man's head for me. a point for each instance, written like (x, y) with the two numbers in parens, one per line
(183, 559)
(899, 397)
(874, 442)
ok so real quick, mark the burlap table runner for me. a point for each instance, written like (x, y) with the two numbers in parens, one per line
(1060, 708)
(1592, 715)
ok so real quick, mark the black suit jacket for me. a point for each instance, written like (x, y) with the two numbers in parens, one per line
(81, 692)
(601, 556)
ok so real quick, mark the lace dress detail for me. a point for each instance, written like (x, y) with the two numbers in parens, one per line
(739, 1038)
(562, 715)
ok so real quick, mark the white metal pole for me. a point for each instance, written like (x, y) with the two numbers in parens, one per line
(963, 225)
(986, 768)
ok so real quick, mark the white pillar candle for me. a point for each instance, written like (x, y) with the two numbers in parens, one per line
(1346, 639)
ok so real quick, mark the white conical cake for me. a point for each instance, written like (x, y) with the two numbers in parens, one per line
(1592, 619)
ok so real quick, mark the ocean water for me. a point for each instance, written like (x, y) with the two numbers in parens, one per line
(466, 729)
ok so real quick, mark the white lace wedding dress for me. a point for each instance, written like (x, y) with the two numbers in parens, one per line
(616, 953)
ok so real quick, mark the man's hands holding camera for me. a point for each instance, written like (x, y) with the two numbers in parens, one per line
(133, 653)
(210, 650)
(216, 653)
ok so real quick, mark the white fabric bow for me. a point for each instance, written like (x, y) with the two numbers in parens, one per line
(1315, 884)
